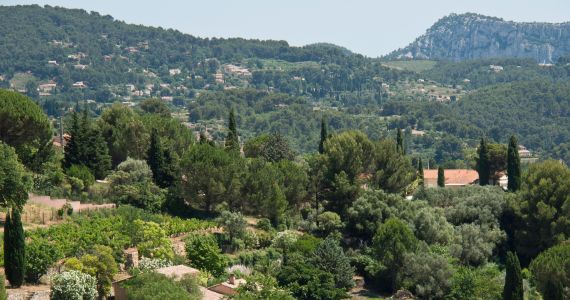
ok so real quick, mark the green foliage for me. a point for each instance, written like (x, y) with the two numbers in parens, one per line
(3, 294)
(204, 254)
(124, 132)
(427, 275)
(440, 177)
(132, 184)
(394, 171)
(40, 256)
(148, 286)
(114, 228)
(161, 162)
(324, 136)
(73, 285)
(540, 209)
(25, 127)
(261, 287)
(329, 222)
(330, 257)
(100, 264)
(14, 181)
(390, 244)
(513, 279)
(82, 173)
(483, 163)
(213, 176)
(276, 205)
(87, 147)
(152, 240)
(14, 248)
(306, 281)
(232, 139)
(550, 271)
(273, 148)
(233, 223)
(513, 165)
(155, 106)
(482, 283)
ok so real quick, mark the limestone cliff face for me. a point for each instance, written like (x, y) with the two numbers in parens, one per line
(471, 36)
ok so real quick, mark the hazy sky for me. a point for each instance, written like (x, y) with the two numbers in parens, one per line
(369, 27)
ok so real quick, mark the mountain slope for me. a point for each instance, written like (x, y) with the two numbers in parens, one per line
(472, 36)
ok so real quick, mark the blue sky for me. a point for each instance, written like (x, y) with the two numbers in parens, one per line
(369, 27)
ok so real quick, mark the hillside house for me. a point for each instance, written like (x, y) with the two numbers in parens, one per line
(237, 70)
(219, 77)
(496, 68)
(79, 84)
(52, 62)
(80, 67)
(174, 72)
(453, 177)
(47, 87)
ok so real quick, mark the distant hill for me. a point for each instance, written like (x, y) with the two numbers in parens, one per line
(472, 36)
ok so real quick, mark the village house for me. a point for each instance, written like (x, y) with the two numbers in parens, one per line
(240, 71)
(47, 87)
(453, 177)
(173, 72)
(79, 84)
(219, 77)
(496, 69)
(52, 62)
(80, 67)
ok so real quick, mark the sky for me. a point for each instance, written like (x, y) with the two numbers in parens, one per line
(369, 27)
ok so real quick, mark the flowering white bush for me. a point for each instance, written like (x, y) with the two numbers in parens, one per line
(149, 264)
(73, 285)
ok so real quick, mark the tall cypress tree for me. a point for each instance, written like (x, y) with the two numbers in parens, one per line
(155, 156)
(400, 141)
(324, 135)
(513, 165)
(553, 290)
(483, 163)
(513, 289)
(14, 248)
(440, 177)
(232, 140)
(72, 148)
(421, 172)
(97, 156)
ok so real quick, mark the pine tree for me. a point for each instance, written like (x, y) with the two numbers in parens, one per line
(513, 165)
(232, 140)
(400, 142)
(440, 177)
(421, 172)
(483, 163)
(324, 136)
(513, 289)
(14, 248)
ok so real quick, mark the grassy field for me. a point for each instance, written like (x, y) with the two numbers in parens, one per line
(411, 65)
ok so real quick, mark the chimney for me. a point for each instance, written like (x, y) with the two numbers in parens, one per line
(232, 279)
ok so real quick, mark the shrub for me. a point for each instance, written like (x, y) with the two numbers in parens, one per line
(264, 224)
(550, 269)
(40, 255)
(329, 222)
(204, 254)
(150, 286)
(73, 285)
(82, 173)
(149, 264)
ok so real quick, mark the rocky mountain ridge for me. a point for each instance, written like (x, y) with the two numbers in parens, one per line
(472, 36)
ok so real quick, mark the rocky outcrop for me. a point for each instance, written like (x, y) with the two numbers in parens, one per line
(472, 36)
